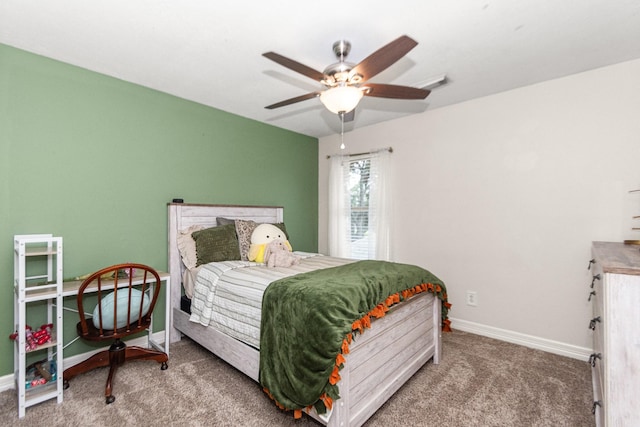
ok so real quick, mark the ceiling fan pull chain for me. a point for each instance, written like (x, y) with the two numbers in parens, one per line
(341, 114)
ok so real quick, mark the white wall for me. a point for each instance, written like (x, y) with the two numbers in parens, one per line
(503, 195)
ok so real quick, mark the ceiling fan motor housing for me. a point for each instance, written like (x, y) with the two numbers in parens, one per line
(339, 73)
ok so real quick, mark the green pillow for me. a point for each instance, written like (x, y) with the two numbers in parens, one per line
(216, 244)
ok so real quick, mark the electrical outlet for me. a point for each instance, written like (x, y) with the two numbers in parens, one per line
(472, 298)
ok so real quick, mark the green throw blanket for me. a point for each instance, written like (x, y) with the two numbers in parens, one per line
(305, 319)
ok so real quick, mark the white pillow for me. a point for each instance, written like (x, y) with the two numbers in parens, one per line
(187, 246)
(123, 299)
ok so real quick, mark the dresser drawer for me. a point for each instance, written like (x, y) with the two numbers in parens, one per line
(596, 297)
(598, 396)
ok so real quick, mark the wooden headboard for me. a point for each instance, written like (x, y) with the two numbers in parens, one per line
(184, 215)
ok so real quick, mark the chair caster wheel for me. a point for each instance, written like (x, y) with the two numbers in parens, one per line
(65, 384)
(110, 399)
(164, 366)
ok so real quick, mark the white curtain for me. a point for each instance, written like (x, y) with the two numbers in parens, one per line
(379, 212)
(339, 208)
(380, 204)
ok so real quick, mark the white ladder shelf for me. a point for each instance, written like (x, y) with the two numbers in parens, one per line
(38, 277)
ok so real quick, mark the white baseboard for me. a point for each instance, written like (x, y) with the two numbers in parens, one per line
(7, 381)
(555, 347)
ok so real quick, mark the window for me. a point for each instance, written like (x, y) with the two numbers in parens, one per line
(359, 205)
(358, 187)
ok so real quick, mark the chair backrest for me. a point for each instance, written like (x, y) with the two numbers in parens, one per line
(126, 295)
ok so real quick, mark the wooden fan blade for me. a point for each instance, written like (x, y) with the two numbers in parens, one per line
(394, 91)
(382, 58)
(295, 66)
(293, 100)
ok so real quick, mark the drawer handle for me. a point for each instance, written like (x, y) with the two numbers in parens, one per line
(592, 323)
(593, 357)
(595, 277)
(595, 405)
(591, 261)
(592, 293)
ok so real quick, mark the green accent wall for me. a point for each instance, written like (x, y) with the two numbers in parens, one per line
(95, 160)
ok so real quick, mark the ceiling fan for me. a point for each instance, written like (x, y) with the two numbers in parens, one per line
(347, 83)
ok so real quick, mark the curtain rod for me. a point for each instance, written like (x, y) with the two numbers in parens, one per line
(389, 149)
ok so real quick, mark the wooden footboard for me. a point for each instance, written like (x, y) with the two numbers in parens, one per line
(380, 361)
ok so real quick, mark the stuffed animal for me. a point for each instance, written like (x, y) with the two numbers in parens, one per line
(278, 254)
(262, 235)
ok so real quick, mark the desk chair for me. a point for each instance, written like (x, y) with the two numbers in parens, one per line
(127, 294)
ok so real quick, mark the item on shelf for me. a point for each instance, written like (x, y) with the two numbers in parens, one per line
(37, 338)
(122, 274)
(40, 373)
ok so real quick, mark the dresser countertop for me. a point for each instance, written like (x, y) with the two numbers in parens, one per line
(617, 258)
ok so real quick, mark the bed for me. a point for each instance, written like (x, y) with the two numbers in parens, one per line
(378, 362)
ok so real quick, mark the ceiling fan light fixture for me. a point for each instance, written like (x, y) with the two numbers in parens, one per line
(341, 99)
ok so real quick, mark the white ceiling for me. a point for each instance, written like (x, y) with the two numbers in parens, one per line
(211, 51)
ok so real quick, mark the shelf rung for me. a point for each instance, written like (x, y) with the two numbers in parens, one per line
(39, 252)
(44, 346)
(41, 276)
(39, 288)
(40, 393)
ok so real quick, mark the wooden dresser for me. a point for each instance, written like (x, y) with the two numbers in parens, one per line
(615, 294)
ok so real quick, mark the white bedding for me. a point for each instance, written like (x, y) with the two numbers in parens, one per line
(228, 295)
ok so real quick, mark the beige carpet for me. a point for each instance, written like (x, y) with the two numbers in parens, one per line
(480, 382)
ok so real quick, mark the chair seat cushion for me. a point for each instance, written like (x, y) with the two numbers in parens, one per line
(107, 303)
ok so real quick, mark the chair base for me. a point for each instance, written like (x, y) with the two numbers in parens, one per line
(115, 356)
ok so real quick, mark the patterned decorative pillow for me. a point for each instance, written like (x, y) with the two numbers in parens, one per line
(216, 244)
(244, 229)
